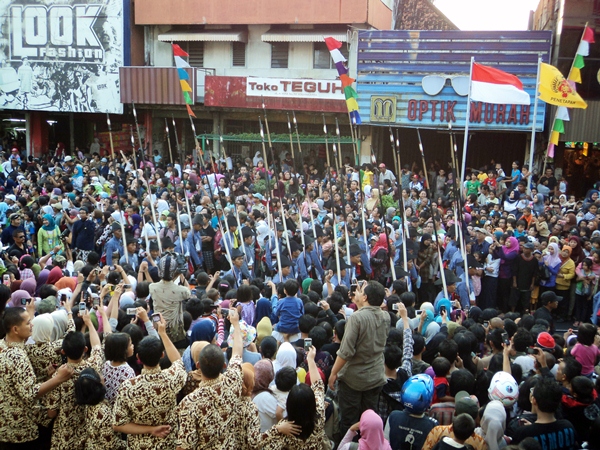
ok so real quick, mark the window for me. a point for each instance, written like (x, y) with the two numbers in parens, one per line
(238, 54)
(279, 55)
(322, 57)
(196, 51)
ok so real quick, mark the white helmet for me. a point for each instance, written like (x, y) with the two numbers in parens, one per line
(504, 388)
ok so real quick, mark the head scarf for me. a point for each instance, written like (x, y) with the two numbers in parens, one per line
(204, 330)
(306, 285)
(264, 328)
(371, 432)
(553, 260)
(29, 285)
(443, 302)
(514, 245)
(66, 282)
(381, 244)
(263, 309)
(36, 269)
(51, 224)
(569, 250)
(263, 376)
(136, 219)
(577, 254)
(492, 424)
(424, 237)
(43, 326)
(286, 357)
(61, 322)
(15, 298)
(55, 275)
(248, 379)
(428, 320)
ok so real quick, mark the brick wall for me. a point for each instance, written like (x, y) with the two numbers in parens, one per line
(421, 15)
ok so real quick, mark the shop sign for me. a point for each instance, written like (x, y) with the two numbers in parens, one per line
(294, 88)
(62, 57)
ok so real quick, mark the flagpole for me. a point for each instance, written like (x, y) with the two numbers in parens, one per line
(556, 112)
(466, 141)
(535, 107)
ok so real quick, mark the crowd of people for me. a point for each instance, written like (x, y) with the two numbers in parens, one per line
(285, 304)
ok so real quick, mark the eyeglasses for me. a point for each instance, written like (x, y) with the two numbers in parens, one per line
(433, 84)
(20, 237)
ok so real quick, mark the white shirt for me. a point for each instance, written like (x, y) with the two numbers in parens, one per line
(266, 403)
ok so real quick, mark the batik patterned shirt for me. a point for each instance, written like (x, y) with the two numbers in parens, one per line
(150, 399)
(208, 416)
(19, 409)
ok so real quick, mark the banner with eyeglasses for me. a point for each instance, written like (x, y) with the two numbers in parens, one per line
(421, 78)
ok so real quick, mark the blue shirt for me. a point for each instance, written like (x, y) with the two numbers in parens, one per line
(289, 310)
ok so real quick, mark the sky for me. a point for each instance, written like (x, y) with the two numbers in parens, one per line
(488, 14)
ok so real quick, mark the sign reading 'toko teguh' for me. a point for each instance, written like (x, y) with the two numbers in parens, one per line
(294, 88)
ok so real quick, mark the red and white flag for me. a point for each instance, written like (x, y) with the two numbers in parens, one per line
(490, 85)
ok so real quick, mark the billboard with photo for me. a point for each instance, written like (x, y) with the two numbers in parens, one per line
(61, 56)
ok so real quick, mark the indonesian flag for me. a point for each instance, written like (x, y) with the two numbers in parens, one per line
(490, 85)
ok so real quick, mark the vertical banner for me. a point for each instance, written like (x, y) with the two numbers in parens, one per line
(61, 56)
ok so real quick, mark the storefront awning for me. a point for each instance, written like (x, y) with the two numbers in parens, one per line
(303, 35)
(205, 36)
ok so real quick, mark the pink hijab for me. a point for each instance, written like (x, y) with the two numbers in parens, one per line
(371, 432)
(382, 244)
(514, 246)
(553, 260)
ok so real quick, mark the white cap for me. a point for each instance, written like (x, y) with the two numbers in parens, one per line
(68, 158)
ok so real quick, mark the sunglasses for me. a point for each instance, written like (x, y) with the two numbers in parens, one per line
(433, 84)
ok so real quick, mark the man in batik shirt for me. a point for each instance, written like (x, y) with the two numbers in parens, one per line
(20, 412)
(145, 405)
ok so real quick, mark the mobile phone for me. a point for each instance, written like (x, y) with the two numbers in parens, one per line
(82, 306)
(155, 317)
(418, 312)
(395, 307)
(458, 311)
(24, 301)
(96, 302)
(63, 298)
(225, 313)
(6, 280)
(486, 324)
(442, 309)
(112, 268)
(131, 311)
(307, 344)
(532, 351)
(354, 281)
(126, 286)
(505, 339)
(353, 288)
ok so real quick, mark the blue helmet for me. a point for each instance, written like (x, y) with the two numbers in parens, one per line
(417, 393)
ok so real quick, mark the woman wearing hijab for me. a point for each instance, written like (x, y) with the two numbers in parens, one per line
(55, 274)
(286, 357)
(371, 433)
(262, 396)
(577, 253)
(507, 254)
(373, 201)
(492, 425)
(205, 331)
(428, 327)
(29, 285)
(264, 308)
(551, 264)
(247, 423)
(46, 350)
(48, 236)
(379, 256)
(426, 259)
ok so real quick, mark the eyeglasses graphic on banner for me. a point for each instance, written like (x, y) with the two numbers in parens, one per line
(433, 84)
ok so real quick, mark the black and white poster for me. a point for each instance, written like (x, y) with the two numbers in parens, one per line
(61, 55)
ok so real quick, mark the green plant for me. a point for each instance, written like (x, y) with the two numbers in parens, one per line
(388, 202)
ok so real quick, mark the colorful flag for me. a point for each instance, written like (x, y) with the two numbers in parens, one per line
(491, 85)
(181, 64)
(562, 113)
(339, 60)
(555, 90)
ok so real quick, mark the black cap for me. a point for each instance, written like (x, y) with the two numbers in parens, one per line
(332, 264)
(549, 297)
(451, 278)
(308, 240)
(231, 221)
(247, 232)
(236, 253)
(400, 272)
(286, 262)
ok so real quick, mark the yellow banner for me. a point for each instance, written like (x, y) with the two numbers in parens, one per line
(554, 136)
(555, 90)
(185, 87)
